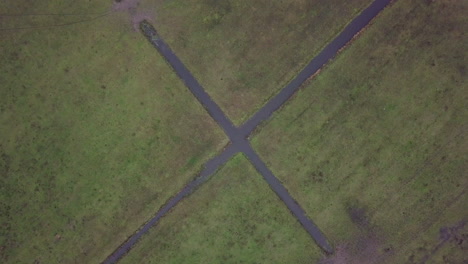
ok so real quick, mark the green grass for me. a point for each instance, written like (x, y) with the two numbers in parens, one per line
(376, 143)
(244, 52)
(97, 133)
(232, 218)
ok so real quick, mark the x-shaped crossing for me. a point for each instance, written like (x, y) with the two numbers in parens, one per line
(239, 136)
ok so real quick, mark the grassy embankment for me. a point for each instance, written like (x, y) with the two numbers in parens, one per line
(233, 218)
(375, 146)
(97, 133)
(243, 52)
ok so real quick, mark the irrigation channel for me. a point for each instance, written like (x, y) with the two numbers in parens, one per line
(238, 136)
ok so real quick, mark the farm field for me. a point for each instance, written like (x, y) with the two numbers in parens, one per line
(374, 147)
(233, 218)
(97, 133)
(244, 52)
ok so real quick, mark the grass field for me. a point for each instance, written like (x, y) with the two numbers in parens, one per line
(243, 52)
(375, 147)
(97, 133)
(233, 218)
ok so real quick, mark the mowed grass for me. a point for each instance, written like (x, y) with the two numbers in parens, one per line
(96, 134)
(244, 52)
(374, 147)
(233, 218)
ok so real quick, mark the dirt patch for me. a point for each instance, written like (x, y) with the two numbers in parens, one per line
(454, 234)
(358, 216)
(363, 250)
(366, 247)
(135, 12)
(125, 5)
(138, 17)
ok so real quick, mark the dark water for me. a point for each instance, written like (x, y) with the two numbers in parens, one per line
(238, 136)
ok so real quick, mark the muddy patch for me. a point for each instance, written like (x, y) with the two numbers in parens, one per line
(365, 249)
(358, 217)
(125, 5)
(139, 17)
(358, 214)
(366, 246)
(135, 11)
(454, 236)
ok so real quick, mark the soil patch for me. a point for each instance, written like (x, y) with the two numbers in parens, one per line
(135, 12)
(364, 249)
(125, 5)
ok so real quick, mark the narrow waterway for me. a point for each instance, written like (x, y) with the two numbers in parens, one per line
(238, 136)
